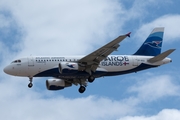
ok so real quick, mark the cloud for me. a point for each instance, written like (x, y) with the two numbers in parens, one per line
(64, 27)
(68, 27)
(58, 28)
(154, 87)
(20, 102)
(165, 114)
(10, 37)
(23, 103)
(170, 22)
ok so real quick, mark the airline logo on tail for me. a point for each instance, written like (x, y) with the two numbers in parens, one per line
(154, 44)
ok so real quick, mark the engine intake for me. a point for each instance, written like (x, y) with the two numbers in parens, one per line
(57, 84)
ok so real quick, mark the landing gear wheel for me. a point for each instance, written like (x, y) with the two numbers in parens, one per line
(82, 89)
(30, 85)
(91, 79)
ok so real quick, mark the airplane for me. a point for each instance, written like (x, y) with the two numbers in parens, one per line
(79, 70)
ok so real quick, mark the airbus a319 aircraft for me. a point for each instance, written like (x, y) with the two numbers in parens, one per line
(79, 70)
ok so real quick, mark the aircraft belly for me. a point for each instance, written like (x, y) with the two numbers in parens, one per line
(54, 72)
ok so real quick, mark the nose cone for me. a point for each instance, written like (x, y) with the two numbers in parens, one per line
(7, 70)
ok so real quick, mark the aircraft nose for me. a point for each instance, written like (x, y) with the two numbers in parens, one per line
(6, 70)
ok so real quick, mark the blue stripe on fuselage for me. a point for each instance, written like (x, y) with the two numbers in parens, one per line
(82, 74)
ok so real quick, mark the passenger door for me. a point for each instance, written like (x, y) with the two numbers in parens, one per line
(30, 61)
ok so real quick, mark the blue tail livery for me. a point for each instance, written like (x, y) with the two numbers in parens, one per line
(152, 45)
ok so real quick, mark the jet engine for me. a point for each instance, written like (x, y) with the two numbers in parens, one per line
(57, 84)
(68, 67)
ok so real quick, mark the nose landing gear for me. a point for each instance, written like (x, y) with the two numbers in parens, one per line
(30, 84)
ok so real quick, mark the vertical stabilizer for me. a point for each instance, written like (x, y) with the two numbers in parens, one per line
(152, 45)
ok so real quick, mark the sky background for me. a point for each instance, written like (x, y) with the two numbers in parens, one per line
(69, 27)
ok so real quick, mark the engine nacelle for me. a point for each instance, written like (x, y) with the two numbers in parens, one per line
(68, 67)
(57, 84)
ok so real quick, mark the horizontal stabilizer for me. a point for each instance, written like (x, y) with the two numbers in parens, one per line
(161, 56)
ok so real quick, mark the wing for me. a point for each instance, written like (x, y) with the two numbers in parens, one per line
(90, 62)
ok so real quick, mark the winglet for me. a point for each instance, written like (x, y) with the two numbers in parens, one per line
(128, 34)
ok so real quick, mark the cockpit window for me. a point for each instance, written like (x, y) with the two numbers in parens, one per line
(16, 61)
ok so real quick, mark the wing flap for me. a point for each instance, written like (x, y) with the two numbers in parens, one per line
(90, 62)
(104, 51)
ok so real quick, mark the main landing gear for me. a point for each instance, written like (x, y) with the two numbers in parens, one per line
(91, 79)
(83, 83)
(30, 84)
(82, 89)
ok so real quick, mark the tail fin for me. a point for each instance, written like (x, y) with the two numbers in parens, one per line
(152, 45)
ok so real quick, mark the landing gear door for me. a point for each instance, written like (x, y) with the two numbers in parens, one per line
(30, 61)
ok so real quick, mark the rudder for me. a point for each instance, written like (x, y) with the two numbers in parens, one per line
(152, 45)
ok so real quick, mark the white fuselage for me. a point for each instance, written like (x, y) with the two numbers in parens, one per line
(42, 66)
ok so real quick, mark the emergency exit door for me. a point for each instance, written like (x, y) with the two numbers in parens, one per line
(135, 61)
